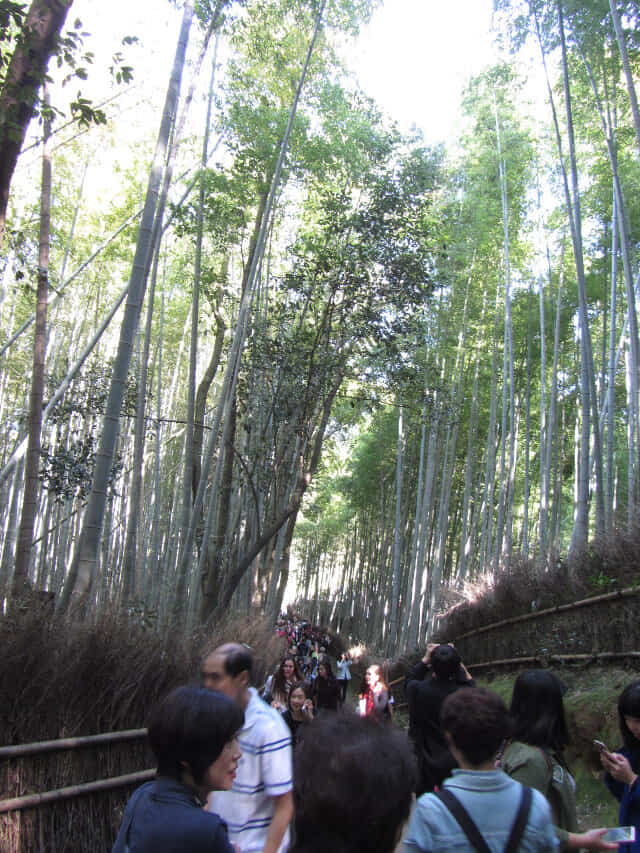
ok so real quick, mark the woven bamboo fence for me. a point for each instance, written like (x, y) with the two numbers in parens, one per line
(604, 626)
(41, 812)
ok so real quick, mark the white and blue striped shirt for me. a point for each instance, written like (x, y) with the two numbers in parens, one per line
(264, 772)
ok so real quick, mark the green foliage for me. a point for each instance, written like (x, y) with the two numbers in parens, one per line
(67, 470)
(72, 57)
(12, 15)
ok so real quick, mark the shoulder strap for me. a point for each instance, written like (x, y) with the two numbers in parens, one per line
(471, 830)
(462, 816)
(547, 758)
(520, 823)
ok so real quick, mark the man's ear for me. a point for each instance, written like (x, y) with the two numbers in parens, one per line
(244, 678)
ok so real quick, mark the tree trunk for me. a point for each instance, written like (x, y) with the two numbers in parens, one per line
(85, 560)
(25, 75)
(397, 537)
(628, 73)
(238, 342)
(188, 486)
(21, 584)
(129, 578)
(10, 533)
(611, 368)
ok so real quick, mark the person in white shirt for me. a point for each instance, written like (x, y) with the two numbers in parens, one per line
(259, 807)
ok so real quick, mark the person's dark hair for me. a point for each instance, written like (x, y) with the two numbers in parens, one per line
(353, 785)
(299, 685)
(478, 722)
(279, 681)
(326, 662)
(445, 661)
(237, 658)
(191, 726)
(537, 710)
(629, 706)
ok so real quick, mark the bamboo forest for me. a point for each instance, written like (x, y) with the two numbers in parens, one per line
(261, 345)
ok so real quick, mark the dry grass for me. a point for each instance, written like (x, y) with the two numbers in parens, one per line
(608, 564)
(60, 678)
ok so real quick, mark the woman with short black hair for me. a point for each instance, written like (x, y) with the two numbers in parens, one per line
(193, 734)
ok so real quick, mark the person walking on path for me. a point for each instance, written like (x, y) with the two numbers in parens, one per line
(325, 690)
(259, 806)
(376, 701)
(535, 755)
(427, 685)
(343, 671)
(479, 808)
(193, 735)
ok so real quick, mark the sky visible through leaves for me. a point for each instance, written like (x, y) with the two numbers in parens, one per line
(414, 58)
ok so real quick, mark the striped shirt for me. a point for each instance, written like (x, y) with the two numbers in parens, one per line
(264, 772)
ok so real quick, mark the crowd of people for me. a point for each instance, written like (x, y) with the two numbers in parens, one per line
(304, 684)
(486, 778)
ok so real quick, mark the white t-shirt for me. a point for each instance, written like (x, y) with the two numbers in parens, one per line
(264, 772)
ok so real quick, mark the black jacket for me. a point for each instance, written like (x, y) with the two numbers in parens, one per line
(425, 696)
(164, 816)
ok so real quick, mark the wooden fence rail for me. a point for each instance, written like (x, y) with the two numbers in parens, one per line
(568, 658)
(560, 608)
(70, 743)
(46, 746)
(33, 800)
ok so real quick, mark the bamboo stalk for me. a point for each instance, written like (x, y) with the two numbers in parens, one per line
(31, 800)
(40, 747)
(560, 608)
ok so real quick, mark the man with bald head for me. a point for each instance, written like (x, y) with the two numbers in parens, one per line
(259, 806)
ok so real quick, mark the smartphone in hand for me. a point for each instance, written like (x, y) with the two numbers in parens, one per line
(620, 834)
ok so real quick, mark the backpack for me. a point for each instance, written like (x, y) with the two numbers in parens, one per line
(453, 804)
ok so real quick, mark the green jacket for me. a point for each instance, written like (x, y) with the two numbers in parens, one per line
(545, 771)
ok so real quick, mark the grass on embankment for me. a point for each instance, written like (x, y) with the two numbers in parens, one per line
(590, 702)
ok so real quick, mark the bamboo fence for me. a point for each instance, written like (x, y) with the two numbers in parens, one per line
(600, 627)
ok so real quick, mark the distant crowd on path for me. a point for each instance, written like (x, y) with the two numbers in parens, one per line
(305, 678)
(487, 779)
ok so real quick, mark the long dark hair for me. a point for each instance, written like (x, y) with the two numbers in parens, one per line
(537, 710)
(629, 706)
(325, 661)
(279, 686)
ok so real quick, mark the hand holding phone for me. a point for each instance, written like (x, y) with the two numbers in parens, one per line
(601, 746)
(620, 834)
